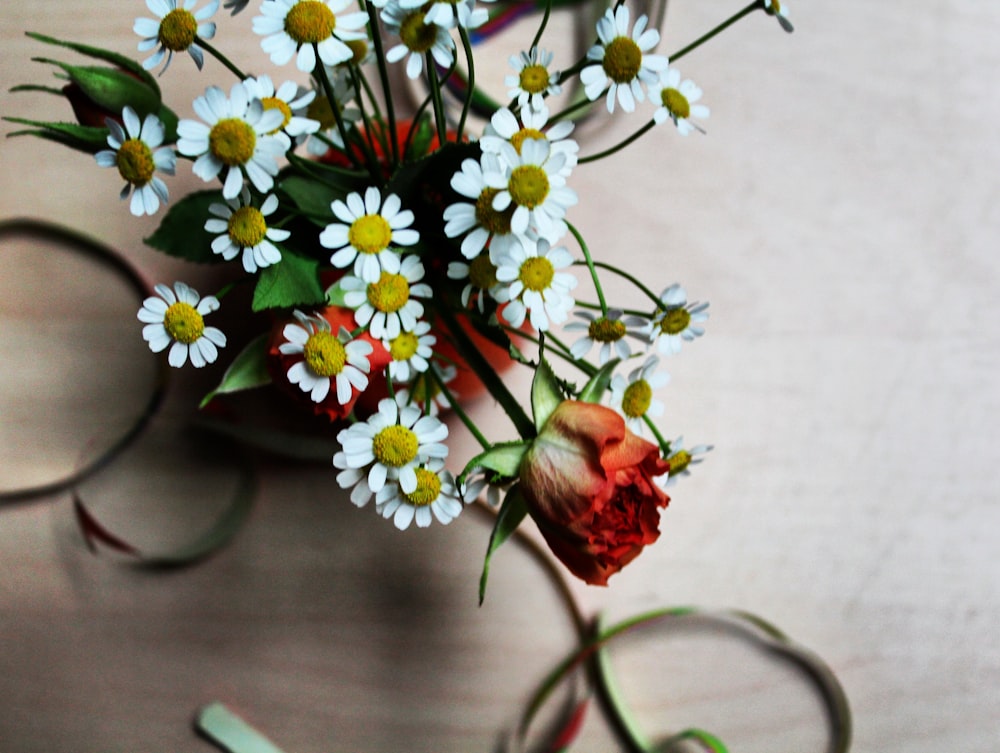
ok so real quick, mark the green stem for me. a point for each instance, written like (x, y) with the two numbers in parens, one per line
(471, 80)
(755, 5)
(324, 80)
(383, 73)
(590, 266)
(619, 146)
(458, 410)
(603, 265)
(220, 57)
(542, 25)
(435, 87)
(571, 109)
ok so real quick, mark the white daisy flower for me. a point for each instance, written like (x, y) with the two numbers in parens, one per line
(392, 443)
(481, 224)
(533, 81)
(424, 390)
(535, 187)
(321, 111)
(137, 153)
(534, 287)
(481, 273)
(290, 100)
(387, 306)
(177, 29)
(507, 128)
(234, 138)
(678, 101)
(608, 332)
(681, 460)
(177, 317)
(355, 479)
(303, 28)
(477, 483)
(326, 358)
(368, 230)
(434, 497)
(676, 320)
(244, 230)
(416, 37)
(634, 397)
(622, 63)
(410, 352)
(779, 9)
(448, 13)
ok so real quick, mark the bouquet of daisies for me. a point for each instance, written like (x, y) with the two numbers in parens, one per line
(399, 265)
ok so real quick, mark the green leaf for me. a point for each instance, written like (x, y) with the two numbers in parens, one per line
(512, 512)
(292, 282)
(107, 56)
(89, 139)
(312, 196)
(248, 370)
(111, 89)
(545, 393)
(421, 140)
(503, 459)
(230, 732)
(182, 232)
(596, 386)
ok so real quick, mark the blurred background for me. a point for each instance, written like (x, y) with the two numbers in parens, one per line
(841, 215)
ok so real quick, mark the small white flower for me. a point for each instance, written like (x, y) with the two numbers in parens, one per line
(681, 461)
(676, 320)
(301, 28)
(326, 358)
(388, 306)
(622, 63)
(535, 187)
(478, 220)
(507, 128)
(532, 81)
(534, 287)
(779, 9)
(606, 331)
(416, 37)
(481, 273)
(434, 497)
(450, 13)
(233, 138)
(288, 99)
(177, 317)
(176, 30)
(244, 230)
(424, 390)
(478, 482)
(368, 230)
(321, 111)
(678, 101)
(136, 152)
(634, 396)
(410, 352)
(391, 444)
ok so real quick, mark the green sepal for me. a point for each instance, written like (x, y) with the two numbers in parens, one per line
(89, 139)
(597, 385)
(512, 512)
(504, 459)
(546, 394)
(107, 56)
(292, 282)
(312, 196)
(335, 294)
(182, 232)
(248, 370)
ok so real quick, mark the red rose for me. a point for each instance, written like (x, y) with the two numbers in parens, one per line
(588, 482)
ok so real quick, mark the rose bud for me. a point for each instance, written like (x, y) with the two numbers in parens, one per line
(588, 484)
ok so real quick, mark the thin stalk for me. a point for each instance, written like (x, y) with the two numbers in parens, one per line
(324, 80)
(619, 146)
(755, 5)
(471, 79)
(435, 86)
(603, 265)
(220, 57)
(383, 74)
(590, 266)
(458, 410)
(542, 25)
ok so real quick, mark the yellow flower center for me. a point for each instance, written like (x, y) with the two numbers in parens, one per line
(390, 293)
(679, 461)
(489, 218)
(310, 22)
(324, 354)
(528, 186)
(359, 48)
(395, 446)
(417, 35)
(525, 133)
(247, 227)
(135, 162)
(370, 234)
(635, 401)
(482, 272)
(536, 273)
(423, 390)
(604, 330)
(232, 141)
(319, 109)
(183, 323)
(404, 346)
(273, 103)
(676, 103)
(622, 60)
(178, 30)
(775, 7)
(428, 488)
(675, 321)
(534, 79)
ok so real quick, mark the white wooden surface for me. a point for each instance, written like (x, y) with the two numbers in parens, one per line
(842, 218)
